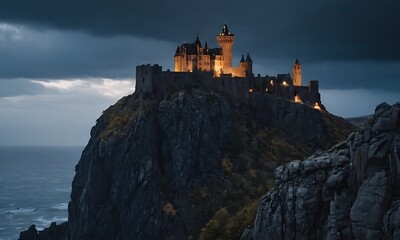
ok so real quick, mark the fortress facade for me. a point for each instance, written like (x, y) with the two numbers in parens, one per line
(211, 68)
(190, 57)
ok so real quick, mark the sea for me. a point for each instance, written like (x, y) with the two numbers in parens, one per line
(35, 187)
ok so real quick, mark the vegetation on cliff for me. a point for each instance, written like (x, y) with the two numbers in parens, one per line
(347, 192)
(191, 166)
(199, 160)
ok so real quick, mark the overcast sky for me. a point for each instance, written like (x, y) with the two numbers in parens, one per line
(63, 62)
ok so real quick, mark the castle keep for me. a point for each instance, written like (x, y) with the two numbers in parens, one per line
(211, 68)
(190, 57)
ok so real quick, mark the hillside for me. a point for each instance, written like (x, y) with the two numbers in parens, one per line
(347, 192)
(191, 166)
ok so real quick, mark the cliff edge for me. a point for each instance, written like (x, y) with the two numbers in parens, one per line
(348, 192)
(191, 166)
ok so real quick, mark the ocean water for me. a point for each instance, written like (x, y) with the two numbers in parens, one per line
(35, 186)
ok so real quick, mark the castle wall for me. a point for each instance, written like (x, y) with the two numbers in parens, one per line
(146, 75)
(239, 71)
(313, 88)
(152, 80)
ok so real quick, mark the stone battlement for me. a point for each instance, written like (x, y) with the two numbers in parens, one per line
(152, 80)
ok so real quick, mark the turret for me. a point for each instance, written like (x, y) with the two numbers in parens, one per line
(225, 40)
(297, 73)
(248, 65)
(197, 41)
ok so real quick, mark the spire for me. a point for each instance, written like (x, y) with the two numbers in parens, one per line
(197, 41)
(225, 31)
(297, 61)
(242, 60)
(248, 58)
(206, 46)
(177, 52)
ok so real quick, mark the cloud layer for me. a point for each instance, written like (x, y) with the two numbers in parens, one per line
(63, 62)
(59, 112)
(312, 30)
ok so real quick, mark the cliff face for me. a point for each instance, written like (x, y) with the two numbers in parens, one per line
(348, 192)
(161, 170)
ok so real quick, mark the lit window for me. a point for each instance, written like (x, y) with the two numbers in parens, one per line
(250, 90)
(316, 106)
(271, 82)
(297, 99)
(266, 89)
(284, 83)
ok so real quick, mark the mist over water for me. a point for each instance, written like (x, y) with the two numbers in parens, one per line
(35, 186)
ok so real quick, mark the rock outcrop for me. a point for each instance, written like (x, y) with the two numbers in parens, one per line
(348, 192)
(54, 232)
(166, 170)
(161, 170)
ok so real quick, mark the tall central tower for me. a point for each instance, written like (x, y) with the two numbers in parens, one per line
(225, 40)
(297, 73)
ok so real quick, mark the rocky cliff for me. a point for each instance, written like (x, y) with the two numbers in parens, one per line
(348, 192)
(191, 166)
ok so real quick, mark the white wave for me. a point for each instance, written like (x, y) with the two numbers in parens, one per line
(61, 206)
(62, 189)
(42, 222)
(5, 198)
(21, 210)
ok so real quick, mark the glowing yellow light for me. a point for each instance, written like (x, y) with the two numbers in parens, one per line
(316, 106)
(266, 89)
(271, 82)
(284, 83)
(250, 90)
(297, 99)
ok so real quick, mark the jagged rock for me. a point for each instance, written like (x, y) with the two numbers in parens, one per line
(30, 234)
(347, 192)
(167, 155)
(163, 170)
(54, 232)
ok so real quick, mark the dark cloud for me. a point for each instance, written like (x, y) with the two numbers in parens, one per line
(58, 54)
(310, 29)
(344, 44)
(351, 46)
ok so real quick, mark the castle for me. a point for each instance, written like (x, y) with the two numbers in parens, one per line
(190, 57)
(211, 68)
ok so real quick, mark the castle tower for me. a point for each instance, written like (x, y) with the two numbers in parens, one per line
(248, 65)
(297, 73)
(225, 40)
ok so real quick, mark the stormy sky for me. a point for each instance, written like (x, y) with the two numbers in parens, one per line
(63, 62)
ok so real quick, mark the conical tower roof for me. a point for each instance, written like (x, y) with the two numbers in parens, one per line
(197, 41)
(225, 31)
(248, 58)
(242, 60)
